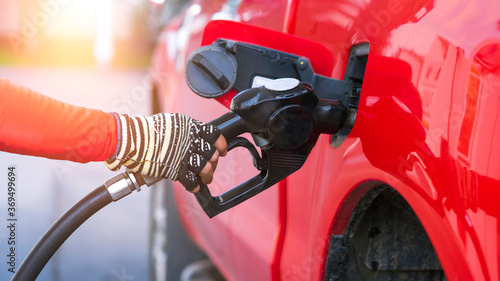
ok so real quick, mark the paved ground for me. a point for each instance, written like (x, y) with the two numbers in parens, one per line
(113, 244)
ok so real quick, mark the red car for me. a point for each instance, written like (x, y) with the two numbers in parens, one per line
(410, 193)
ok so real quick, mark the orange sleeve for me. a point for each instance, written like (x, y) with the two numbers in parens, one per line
(34, 124)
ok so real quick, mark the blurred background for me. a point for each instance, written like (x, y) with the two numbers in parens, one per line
(78, 33)
(89, 53)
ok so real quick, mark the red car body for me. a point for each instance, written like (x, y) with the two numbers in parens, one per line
(427, 126)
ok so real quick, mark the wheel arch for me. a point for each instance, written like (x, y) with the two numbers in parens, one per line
(363, 238)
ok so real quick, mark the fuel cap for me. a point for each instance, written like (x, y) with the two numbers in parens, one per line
(282, 84)
(211, 71)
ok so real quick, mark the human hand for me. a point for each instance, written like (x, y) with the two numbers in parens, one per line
(172, 146)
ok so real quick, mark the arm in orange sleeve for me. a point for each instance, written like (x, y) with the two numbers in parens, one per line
(37, 125)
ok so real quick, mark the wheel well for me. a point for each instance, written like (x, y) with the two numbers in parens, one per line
(383, 240)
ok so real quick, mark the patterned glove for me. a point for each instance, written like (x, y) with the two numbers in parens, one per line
(172, 146)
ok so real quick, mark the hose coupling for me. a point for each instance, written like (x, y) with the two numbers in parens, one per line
(122, 185)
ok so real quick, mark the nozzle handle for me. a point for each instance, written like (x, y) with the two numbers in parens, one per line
(276, 164)
(231, 125)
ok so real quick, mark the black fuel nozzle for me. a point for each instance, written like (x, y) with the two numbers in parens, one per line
(285, 118)
(287, 114)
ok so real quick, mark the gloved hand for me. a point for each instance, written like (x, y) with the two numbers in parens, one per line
(172, 146)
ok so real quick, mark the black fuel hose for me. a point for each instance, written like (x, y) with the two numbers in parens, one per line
(59, 232)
